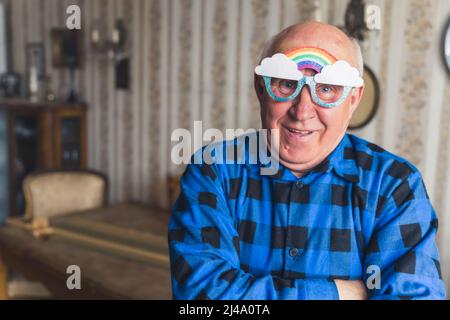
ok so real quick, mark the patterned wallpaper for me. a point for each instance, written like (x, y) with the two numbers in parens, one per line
(193, 60)
(414, 87)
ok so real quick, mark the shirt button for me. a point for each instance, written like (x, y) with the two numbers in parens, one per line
(299, 184)
(293, 252)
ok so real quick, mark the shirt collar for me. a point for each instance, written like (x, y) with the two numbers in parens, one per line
(341, 161)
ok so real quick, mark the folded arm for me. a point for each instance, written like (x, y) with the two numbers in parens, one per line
(403, 246)
(204, 249)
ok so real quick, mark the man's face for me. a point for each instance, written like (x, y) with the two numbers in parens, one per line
(307, 131)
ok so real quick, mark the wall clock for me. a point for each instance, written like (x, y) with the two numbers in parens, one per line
(369, 103)
(447, 45)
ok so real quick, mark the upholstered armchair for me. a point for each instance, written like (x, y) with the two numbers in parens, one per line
(54, 193)
(49, 194)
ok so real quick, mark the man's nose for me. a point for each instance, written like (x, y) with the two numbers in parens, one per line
(303, 106)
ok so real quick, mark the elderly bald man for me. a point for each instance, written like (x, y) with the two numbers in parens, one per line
(341, 219)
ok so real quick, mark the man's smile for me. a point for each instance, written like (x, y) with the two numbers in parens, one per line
(299, 134)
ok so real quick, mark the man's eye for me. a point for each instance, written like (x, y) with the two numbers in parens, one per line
(288, 84)
(326, 89)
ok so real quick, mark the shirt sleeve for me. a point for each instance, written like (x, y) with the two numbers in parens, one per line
(204, 249)
(402, 251)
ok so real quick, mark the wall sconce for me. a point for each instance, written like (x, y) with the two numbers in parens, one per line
(102, 44)
(114, 49)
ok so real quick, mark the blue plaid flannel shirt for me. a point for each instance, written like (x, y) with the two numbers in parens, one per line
(237, 234)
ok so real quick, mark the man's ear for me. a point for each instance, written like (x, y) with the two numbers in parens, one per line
(356, 97)
(259, 88)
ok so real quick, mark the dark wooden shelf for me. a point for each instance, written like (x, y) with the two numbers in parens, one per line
(28, 105)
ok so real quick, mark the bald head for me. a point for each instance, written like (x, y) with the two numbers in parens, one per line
(316, 34)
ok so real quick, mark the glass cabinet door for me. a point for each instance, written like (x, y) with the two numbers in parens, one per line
(26, 156)
(70, 142)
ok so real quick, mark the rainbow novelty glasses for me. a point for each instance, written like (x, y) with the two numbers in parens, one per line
(329, 87)
(325, 95)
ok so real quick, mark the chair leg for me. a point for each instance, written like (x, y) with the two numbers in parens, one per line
(3, 280)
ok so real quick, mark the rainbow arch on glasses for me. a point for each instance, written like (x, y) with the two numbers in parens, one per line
(311, 58)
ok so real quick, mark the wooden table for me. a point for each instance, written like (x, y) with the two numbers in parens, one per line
(121, 251)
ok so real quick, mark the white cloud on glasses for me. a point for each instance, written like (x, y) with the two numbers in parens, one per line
(279, 66)
(340, 73)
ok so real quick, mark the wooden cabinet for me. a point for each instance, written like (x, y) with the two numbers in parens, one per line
(37, 136)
